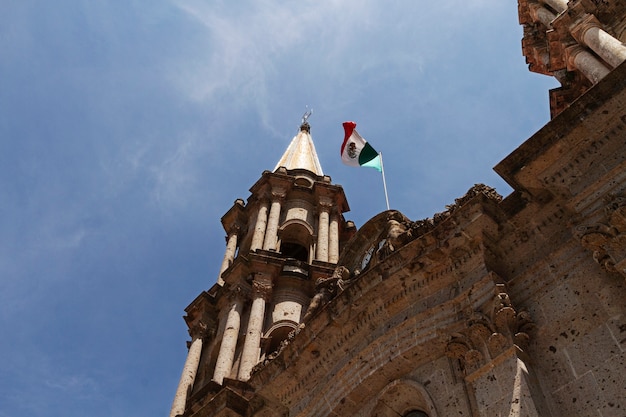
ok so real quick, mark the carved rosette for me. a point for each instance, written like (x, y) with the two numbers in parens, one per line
(488, 335)
(607, 239)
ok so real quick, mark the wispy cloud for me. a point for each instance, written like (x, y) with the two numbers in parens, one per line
(176, 175)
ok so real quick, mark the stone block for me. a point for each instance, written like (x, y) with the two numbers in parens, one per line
(580, 397)
(589, 350)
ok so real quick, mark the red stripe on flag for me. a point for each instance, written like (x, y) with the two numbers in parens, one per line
(348, 127)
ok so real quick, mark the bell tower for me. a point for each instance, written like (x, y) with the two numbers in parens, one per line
(287, 235)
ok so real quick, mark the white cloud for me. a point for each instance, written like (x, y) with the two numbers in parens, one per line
(175, 175)
(74, 385)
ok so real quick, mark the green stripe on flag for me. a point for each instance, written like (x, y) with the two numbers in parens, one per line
(367, 154)
(374, 163)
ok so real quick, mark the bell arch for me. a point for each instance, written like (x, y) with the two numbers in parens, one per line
(296, 237)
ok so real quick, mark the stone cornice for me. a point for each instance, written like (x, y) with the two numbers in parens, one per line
(201, 317)
(575, 128)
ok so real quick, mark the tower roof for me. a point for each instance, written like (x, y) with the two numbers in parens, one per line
(301, 153)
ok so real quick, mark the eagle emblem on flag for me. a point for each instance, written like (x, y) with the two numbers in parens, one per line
(352, 150)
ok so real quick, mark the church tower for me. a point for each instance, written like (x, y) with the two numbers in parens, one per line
(497, 306)
(279, 243)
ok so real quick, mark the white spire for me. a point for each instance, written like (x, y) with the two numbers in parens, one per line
(301, 153)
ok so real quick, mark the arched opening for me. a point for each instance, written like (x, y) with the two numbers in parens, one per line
(416, 413)
(277, 334)
(406, 398)
(295, 240)
(294, 251)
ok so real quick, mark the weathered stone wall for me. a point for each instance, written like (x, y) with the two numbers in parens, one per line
(578, 351)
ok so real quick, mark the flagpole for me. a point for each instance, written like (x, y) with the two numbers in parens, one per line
(382, 170)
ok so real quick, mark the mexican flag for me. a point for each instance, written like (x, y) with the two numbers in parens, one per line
(356, 152)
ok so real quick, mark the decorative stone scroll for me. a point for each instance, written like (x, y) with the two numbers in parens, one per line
(489, 335)
(607, 239)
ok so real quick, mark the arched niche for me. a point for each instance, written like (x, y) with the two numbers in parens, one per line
(404, 397)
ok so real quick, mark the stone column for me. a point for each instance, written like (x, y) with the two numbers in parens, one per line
(590, 33)
(262, 289)
(189, 370)
(558, 5)
(322, 232)
(582, 60)
(333, 239)
(229, 255)
(271, 234)
(541, 14)
(226, 355)
(259, 227)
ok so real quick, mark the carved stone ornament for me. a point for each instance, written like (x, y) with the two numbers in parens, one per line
(202, 329)
(278, 194)
(488, 335)
(234, 229)
(238, 292)
(262, 288)
(325, 290)
(607, 239)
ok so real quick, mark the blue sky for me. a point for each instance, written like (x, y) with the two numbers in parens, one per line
(128, 128)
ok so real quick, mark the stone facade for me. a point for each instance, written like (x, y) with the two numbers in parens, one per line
(498, 306)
